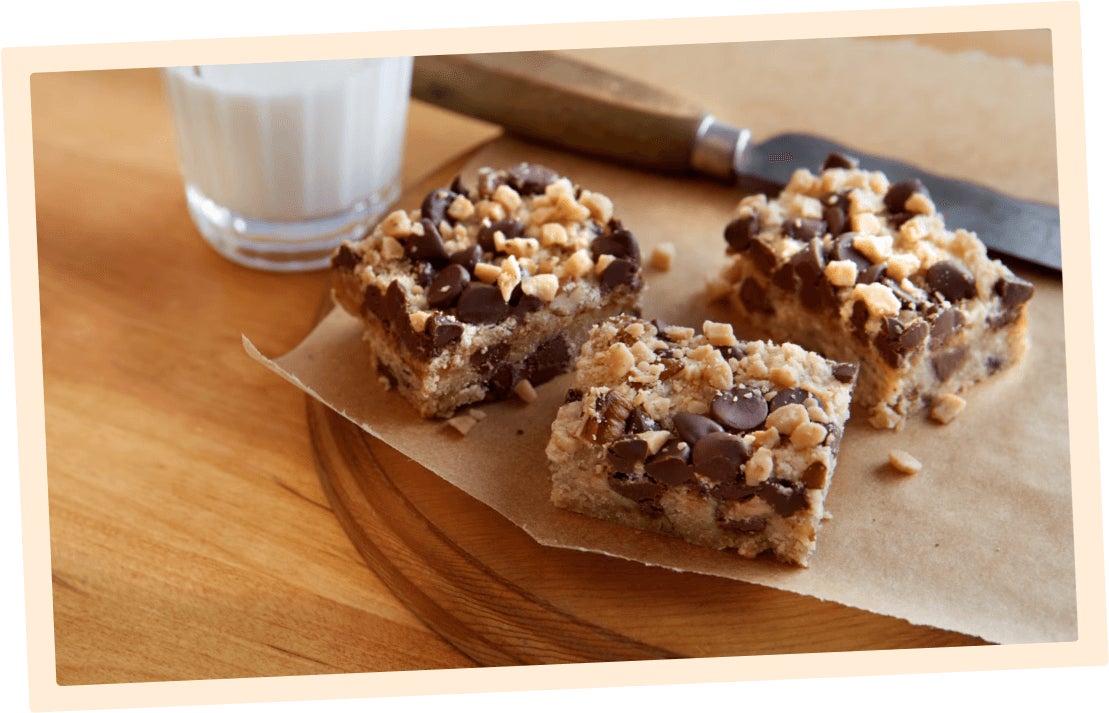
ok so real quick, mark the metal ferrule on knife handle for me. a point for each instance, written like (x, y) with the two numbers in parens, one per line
(556, 100)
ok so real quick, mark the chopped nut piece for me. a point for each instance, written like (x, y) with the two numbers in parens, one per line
(579, 264)
(719, 334)
(525, 391)
(920, 203)
(397, 224)
(391, 249)
(478, 414)
(865, 223)
(521, 247)
(808, 434)
(487, 272)
(841, 273)
(787, 418)
(877, 248)
(603, 262)
(418, 320)
(655, 440)
(554, 234)
(545, 287)
(946, 408)
(599, 205)
(760, 466)
(878, 298)
(901, 266)
(461, 208)
(662, 257)
(903, 462)
(784, 376)
(620, 360)
(509, 277)
(507, 197)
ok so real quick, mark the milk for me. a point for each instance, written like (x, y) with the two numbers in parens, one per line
(288, 157)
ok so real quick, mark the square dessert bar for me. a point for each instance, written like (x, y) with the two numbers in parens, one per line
(483, 292)
(722, 443)
(860, 270)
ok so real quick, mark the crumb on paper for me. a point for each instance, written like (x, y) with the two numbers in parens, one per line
(904, 462)
(478, 414)
(662, 257)
(462, 423)
(946, 408)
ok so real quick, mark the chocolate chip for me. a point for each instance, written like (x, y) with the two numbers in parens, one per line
(692, 427)
(467, 258)
(502, 381)
(805, 229)
(730, 352)
(458, 187)
(740, 232)
(373, 302)
(786, 397)
(428, 247)
(874, 273)
(859, 317)
(671, 367)
(735, 490)
(843, 248)
(619, 272)
(899, 219)
(763, 255)
(425, 273)
(481, 304)
(839, 160)
(951, 280)
(447, 286)
(993, 364)
(741, 409)
(946, 363)
(510, 227)
(815, 475)
(396, 306)
(945, 324)
(524, 306)
(753, 296)
(785, 277)
(572, 395)
(718, 456)
(638, 422)
(835, 217)
(488, 181)
(671, 464)
(345, 258)
(746, 525)
(634, 486)
(442, 331)
(621, 244)
(900, 192)
(1013, 291)
(785, 497)
(551, 358)
(530, 178)
(627, 453)
(897, 339)
(435, 205)
(488, 358)
(845, 372)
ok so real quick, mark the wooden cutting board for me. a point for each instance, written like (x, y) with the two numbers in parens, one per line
(502, 599)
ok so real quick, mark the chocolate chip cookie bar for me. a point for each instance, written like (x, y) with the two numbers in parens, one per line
(484, 292)
(725, 444)
(855, 268)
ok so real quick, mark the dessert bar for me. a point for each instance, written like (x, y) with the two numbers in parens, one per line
(726, 444)
(855, 268)
(484, 292)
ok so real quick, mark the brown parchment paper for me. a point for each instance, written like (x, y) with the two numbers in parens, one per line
(981, 540)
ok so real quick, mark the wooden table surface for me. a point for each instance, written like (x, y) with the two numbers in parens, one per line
(190, 537)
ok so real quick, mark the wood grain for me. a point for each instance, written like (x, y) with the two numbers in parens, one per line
(190, 534)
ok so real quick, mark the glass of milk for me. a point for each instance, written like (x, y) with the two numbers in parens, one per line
(283, 161)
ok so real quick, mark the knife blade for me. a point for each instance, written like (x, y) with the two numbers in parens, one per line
(553, 99)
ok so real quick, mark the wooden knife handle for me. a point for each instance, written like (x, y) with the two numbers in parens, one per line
(556, 100)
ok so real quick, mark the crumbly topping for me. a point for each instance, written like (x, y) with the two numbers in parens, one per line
(874, 255)
(522, 239)
(654, 399)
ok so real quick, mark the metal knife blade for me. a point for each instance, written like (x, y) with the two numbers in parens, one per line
(556, 100)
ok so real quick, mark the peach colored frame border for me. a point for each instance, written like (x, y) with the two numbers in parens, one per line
(1061, 18)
